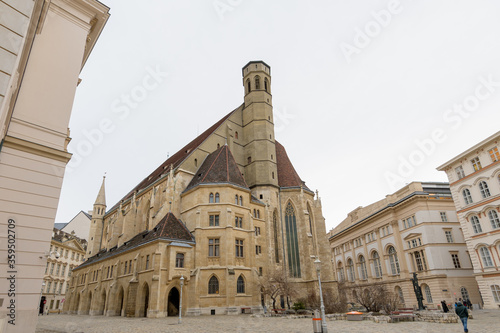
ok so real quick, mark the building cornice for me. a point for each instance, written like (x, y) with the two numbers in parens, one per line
(36, 149)
(457, 158)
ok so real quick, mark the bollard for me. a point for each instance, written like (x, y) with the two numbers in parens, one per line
(317, 322)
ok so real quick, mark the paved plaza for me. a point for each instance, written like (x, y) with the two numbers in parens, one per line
(485, 321)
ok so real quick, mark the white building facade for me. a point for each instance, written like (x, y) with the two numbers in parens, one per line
(474, 177)
(43, 47)
(66, 252)
(413, 230)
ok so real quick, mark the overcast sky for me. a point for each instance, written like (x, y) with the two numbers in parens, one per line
(367, 95)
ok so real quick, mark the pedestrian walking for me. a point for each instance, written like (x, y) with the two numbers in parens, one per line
(445, 307)
(463, 314)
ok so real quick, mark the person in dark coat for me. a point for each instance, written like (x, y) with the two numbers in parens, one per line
(445, 307)
(463, 314)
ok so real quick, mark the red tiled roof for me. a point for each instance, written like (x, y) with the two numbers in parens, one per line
(287, 176)
(169, 228)
(175, 160)
(218, 167)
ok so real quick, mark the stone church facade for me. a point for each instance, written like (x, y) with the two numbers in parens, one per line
(222, 213)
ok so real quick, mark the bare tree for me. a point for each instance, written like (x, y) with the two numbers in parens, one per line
(276, 284)
(372, 297)
(390, 302)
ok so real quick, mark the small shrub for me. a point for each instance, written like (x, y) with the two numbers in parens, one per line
(298, 306)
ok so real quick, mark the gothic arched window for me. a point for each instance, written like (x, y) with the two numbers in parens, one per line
(257, 82)
(213, 285)
(275, 234)
(211, 198)
(266, 84)
(240, 285)
(249, 89)
(292, 241)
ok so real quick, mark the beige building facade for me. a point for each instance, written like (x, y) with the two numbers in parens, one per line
(414, 230)
(79, 225)
(66, 252)
(43, 47)
(474, 177)
(222, 213)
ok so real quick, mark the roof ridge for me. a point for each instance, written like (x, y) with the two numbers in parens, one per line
(211, 165)
(227, 165)
(176, 159)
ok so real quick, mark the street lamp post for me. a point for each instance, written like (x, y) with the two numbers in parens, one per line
(180, 301)
(317, 263)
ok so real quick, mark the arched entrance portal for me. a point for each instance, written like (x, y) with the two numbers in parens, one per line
(173, 302)
(77, 303)
(102, 303)
(143, 312)
(120, 302)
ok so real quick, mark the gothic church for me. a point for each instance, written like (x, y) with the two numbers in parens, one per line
(225, 210)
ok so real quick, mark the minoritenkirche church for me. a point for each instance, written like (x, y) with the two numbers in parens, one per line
(226, 209)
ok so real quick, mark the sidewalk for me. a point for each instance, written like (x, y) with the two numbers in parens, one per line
(485, 321)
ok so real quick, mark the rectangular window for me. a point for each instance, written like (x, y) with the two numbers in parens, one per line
(147, 261)
(257, 231)
(409, 222)
(494, 154)
(213, 247)
(260, 271)
(460, 172)
(238, 223)
(476, 163)
(239, 248)
(48, 287)
(179, 260)
(258, 249)
(129, 266)
(46, 268)
(72, 255)
(63, 270)
(55, 288)
(449, 236)
(444, 218)
(52, 268)
(418, 260)
(214, 220)
(60, 288)
(456, 261)
(125, 270)
(58, 269)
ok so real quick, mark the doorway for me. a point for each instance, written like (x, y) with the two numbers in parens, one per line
(173, 302)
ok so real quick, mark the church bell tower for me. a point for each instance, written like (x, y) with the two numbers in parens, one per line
(258, 126)
(96, 226)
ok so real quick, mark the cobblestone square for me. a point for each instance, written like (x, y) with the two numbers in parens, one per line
(485, 321)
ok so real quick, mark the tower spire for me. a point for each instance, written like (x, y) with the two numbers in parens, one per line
(97, 225)
(101, 197)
